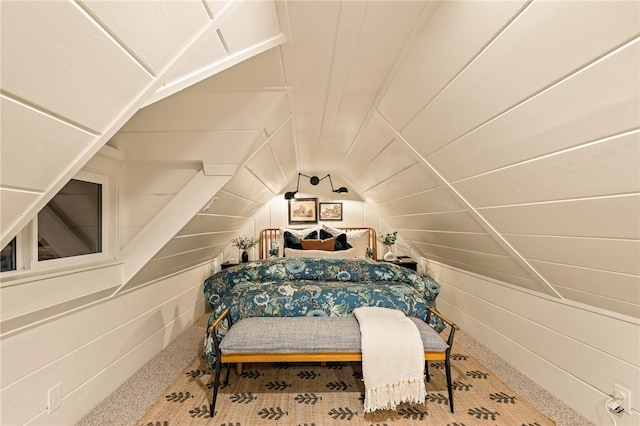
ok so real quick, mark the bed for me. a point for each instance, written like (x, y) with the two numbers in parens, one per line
(284, 285)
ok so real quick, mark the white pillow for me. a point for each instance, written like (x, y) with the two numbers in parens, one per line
(297, 232)
(333, 231)
(340, 254)
(359, 240)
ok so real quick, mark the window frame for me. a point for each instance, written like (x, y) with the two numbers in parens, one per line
(80, 260)
(13, 241)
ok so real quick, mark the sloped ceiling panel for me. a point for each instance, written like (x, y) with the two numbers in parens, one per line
(433, 64)
(308, 68)
(374, 137)
(387, 28)
(542, 147)
(77, 68)
(208, 49)
(501, 76)
(258, 19)
(153, 30)
(239, 31)
(597, 101)
(261, 71)
(148, 188)
(90, 65)
(51, 141)
(340, 56)
(241, 117)
(412, 180)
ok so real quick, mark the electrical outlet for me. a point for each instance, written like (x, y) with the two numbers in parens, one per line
(624, 396)
(54, 398)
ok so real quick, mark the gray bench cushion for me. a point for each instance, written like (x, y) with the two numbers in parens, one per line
(308, 334)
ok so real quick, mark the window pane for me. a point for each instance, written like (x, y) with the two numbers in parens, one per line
(9, 257)
(71, 223)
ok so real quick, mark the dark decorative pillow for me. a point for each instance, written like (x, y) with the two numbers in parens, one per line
(291, 240)
(341, 240)
(328, 244)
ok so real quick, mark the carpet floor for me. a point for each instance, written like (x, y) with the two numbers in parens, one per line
(136, 398)
(311, 394)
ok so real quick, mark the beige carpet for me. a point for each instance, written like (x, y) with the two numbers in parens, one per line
(312, 395)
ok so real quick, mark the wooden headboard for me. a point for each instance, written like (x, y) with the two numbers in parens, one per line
(269, 235)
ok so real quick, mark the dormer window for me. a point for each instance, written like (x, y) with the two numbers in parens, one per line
(70, 229)
(8, 258)
(71, 223)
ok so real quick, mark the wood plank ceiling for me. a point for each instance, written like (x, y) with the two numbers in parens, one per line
(497, 137)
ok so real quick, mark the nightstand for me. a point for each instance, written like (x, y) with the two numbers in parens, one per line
(226, 265)
(405, 261)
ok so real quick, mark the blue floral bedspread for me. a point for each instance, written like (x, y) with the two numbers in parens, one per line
(314, 287)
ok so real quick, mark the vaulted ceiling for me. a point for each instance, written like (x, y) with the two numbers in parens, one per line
(497, 137)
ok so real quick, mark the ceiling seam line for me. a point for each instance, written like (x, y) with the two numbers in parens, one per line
(207, 10)
(117, 41)
(170, 131)
(601, 296)
(426, 13)
(577, 266)
(626, 274)
(387, 178)
(284, 178)
(560, 201)
(424, 191)
(223, 42)
(483, 253)
(567, 302)
(479, 218)
(168, 256)
(199, 234)
(264, 142)
(439, 231)
(469, 268)
(12, 188)
(239, 196)
(473, 59)
(331, 74)
(562, 151)
(541, 91)
(577, 237)
(47, 112)
(373, 160)
(167, 89)
(423, 214)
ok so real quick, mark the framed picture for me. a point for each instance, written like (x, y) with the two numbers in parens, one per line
(303, 210)
(330, 211)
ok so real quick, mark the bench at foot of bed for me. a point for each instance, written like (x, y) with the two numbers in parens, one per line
(311, 339)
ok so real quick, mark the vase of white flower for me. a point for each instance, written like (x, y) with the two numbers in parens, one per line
(389, 241)
(244, 244)
(389, 256)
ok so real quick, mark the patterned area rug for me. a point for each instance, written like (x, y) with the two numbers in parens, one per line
(313, 395)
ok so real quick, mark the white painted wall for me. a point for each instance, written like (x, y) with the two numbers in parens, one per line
(574, 351)
(93, 350)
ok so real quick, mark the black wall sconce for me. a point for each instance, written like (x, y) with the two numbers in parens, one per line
(314, 180)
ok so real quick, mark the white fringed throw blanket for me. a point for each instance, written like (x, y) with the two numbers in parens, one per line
(392, 359)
